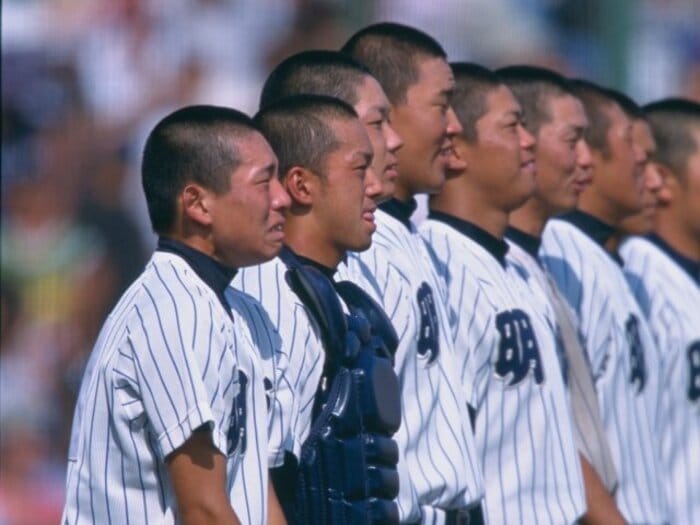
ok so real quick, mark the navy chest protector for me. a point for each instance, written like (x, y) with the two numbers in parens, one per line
(346, 472)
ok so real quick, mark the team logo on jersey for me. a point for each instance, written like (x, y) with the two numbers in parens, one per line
(694, 366)
(236, 437)
(518, 351)
(428, 341)
(638, 367)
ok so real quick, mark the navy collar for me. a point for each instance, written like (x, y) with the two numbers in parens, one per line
(601, 232)
(290, 258)
(692, 267)
(400, 210)
(530, 243)
(495, 246)
(216, 275)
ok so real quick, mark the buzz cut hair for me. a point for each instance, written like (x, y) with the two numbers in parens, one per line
(675, 123)
(535, 87)
(392, 53)
(192, 144)
(299, 130)
(628, 105)
(473, 83)
(597, 101)
(315, 72)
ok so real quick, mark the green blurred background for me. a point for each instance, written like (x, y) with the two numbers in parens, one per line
(84, 80)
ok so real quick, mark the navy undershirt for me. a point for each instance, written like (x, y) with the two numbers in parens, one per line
(690, 266)
(530, 243)
(599, 231)
(400, 210)
(288, 255)
(495, 246)
(215, 275)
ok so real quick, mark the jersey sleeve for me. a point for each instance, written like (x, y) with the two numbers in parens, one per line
(178, 369)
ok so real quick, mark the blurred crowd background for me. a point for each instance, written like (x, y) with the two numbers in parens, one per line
(83, 81)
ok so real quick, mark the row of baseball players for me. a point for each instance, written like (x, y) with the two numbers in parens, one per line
(547, 310)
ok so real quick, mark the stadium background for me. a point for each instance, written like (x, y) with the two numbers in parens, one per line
(83, 81)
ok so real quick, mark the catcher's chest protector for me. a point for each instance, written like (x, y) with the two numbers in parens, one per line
(347, 467)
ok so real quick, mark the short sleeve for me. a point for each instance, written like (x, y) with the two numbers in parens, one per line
(184, 363)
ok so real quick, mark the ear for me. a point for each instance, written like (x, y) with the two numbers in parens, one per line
(196, 204)
(302, 185)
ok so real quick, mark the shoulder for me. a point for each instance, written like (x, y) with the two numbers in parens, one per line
(265, 283)
(641, 256)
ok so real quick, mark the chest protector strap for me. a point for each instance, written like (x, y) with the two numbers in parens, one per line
(346, 472)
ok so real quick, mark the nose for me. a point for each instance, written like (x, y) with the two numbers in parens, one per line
(454, 127)
(279, 198)
(584, 159)
(373, 185)
(527, 140)
(652, 178)
(393, 139)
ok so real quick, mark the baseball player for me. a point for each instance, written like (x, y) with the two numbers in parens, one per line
(325, 160)
(172, 405)
(557, 120)
(663, 269)
(440, 476)
(523, 431)
(335, 74)
(653, 191)
(576, 251)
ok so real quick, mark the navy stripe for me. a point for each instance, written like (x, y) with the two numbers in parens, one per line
(140, 471)
(147, 383)
(186, 359)
(209, 344)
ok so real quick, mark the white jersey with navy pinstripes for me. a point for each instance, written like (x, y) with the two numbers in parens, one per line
(587, 424)
(623, 358)
(523, 428)
(168, 361)
(670, 298)
(300, 356)
(438, 466)
(262, 373)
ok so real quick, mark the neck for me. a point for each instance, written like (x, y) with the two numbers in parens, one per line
(589, 202)
(401, 192)
(530, 218)
(196, 238)
(469, 206)
(305, 238)
(678, 237)
(613, 243)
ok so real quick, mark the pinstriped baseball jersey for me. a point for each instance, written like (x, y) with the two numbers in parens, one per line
(670, 297)
(622, 355)
(587, 424)
(168, 360)
(523, 430)
(261, 371)
(438, 463)
(301, 350)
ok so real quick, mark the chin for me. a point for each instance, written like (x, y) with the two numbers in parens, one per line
(361, 246)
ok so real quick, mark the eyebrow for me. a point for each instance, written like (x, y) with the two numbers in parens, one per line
(270, 168)
(447, 92)
(382, 110)
(366, 156)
